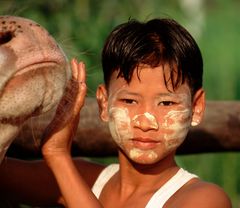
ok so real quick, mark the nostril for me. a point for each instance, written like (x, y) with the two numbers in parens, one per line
(145, 121)
(5, 37)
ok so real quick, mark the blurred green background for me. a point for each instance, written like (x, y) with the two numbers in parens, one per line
(81, 26)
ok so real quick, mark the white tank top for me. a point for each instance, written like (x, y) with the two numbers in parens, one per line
(160, 197)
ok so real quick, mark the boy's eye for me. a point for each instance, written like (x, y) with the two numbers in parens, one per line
(166, 103)
(129, 101)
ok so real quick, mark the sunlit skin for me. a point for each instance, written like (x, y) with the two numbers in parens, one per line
(152, 123)
(148, 120)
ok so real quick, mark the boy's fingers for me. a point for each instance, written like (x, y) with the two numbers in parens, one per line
(74, 67)
(79, 76)
(81, 72)
(80, 97)
(78, 71)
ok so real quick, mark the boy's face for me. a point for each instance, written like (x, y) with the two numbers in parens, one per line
(146, 120)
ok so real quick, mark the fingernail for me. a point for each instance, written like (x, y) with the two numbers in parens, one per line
(194, 123)
(74, 60)
(82, 65)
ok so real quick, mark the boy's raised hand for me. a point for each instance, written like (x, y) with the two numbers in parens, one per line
(57, 141)
(58, 135)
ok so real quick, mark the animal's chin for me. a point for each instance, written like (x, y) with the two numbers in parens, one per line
(36, 66)
(32, 91)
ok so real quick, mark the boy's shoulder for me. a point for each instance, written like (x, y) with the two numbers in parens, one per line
(198, 193)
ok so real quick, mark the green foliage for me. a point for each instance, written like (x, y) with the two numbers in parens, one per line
(81, 26)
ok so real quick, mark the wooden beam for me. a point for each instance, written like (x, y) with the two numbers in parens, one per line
(219, 131)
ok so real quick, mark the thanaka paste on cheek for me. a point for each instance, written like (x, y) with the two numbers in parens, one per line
(177, 123)
(119, 125)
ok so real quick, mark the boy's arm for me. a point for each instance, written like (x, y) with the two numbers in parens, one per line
(32, 182)
(28, 182)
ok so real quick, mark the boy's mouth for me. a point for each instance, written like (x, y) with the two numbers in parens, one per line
(145, 143)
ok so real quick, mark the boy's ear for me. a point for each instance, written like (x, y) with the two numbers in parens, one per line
(198, 107)
(102, 99)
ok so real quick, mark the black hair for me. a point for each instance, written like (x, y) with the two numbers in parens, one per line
(156, 42)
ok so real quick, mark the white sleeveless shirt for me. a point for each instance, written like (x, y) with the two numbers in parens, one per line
(160, 197)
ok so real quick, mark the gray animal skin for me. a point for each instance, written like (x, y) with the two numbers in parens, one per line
(33, 74)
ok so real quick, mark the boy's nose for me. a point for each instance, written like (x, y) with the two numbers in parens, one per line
(145, 121)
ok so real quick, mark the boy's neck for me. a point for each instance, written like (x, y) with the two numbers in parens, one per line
(154, 175)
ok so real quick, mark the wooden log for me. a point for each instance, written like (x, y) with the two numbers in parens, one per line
(219, 131)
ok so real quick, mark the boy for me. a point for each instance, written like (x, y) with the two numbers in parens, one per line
(151, 96)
